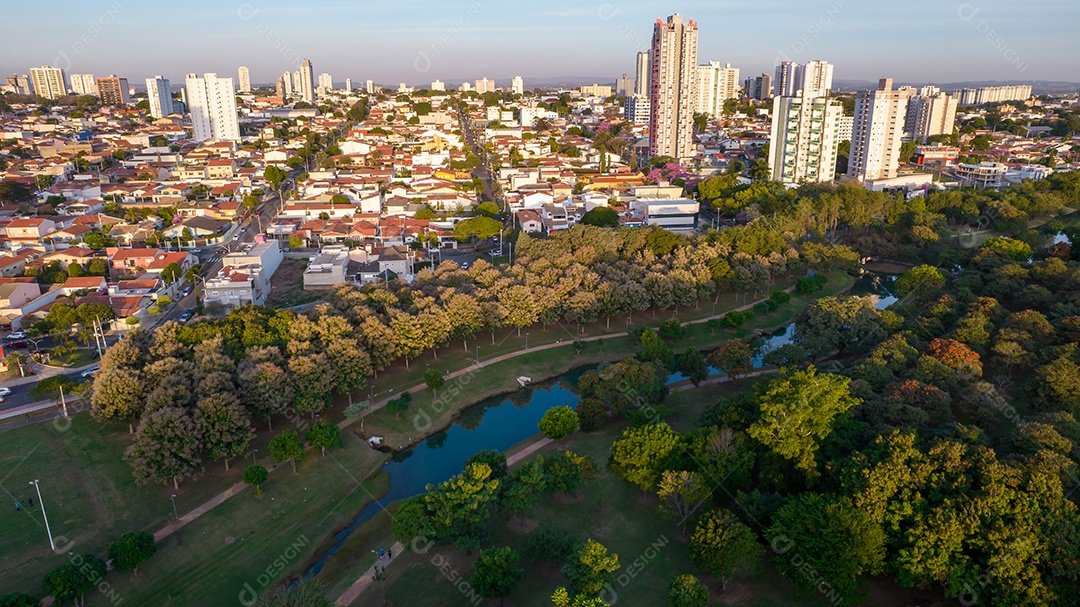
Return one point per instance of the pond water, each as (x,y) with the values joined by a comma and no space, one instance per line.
(502,421)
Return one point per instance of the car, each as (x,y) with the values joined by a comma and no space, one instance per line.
(4,391)
(464,265)
(20,345)
(186,316)
(185,292)
(493,253)
(17,335)
(90,371)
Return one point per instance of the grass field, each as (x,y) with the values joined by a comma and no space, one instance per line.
(77,358)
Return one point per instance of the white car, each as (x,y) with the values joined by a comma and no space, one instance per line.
(17,335)
(4,392)
(90,371)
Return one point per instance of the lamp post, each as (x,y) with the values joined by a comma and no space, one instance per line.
(37,486)
(526,341)
(176,518)
(478,355)
(253,460)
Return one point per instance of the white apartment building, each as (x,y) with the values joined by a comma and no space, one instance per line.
(348,85)
(517,85)
(245,276)
(636,109)
(485,85)
(786,80)
(758,87)
(815,78)
(878,132)
(369,87)
(641,84)
(714,85)
(595,90)
(287,84)
(212,103)
(245,79)
(49,82)
(929,115)
(307,81)
(804,139)
(993,94)
(672,62)
(159,93)
(84,84)
(678,215)
(326,82)
(438,85)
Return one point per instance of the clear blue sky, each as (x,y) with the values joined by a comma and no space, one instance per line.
(416,41)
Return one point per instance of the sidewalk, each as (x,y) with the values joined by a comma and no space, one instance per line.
(365,580)
(44,372)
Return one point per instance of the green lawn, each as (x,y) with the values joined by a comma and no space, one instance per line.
(75,359)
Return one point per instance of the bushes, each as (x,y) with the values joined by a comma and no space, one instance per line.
(546,544)
(781,297)
(810,284)
(736,318)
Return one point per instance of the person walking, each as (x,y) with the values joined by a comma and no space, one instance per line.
(382,553)
(30,501)
(18,507)
(389,553)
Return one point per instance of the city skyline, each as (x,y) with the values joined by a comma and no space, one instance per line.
(922,41)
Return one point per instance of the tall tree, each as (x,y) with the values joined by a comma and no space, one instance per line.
(637,455)
(462,502)
(324,435)
(725,547)
(132,550)
(734,359)
(693,366)
(287,447)
(166,448)
(224,427)
(494,574)
(591,569)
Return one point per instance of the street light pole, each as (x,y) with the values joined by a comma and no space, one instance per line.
(477,355)
(253,460)
(37,486)
(526,342)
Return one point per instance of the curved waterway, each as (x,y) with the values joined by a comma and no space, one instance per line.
(500,422)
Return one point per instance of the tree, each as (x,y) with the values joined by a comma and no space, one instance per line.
(118,395)
(687,591)
(591,569)
(734,359)
(324,435)
(636,456)
(680,493)
(167,447)
(224,427)
(434,379)
(256,475)
(307,592)
(172,273)
(492,458)
(558,422)
(494,574)
(524,486)
(275,176)
(459,504)
(830,324)
(693,366)
(725,547)
(287,446)
(919,281)
(487,209)
(73,579)
(399,405)
(655,350)
(19,599)
(561,598)
(15,193)
(797,411)
(132,550)
(477,228)
(1016,250)
(838,542)
(603,217)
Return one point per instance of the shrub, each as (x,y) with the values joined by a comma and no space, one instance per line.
(546,544)
(781,297)
(132,320)
(164,300)
(761,307)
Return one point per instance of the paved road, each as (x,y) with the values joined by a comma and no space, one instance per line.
(20,393)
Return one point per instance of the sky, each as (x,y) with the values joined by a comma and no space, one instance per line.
(417,41)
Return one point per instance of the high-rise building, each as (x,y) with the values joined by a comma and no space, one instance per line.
(84,84)
(20,85)
(245,79)
(369,87)
(595,90)
(641,82)
(325,81)
(787,79)
(877,132)
(465,87)
(348,85)
(159,94)
(624,87)
(307,81)
(517,85)
(929,115)
(758,87)
(279,88)
(814,78)
(714,85)
(212,102)
(438,85)
(113,90)
(286,81)
(804,138)
(485,85)
(672,61)
(636,109)
(48,81)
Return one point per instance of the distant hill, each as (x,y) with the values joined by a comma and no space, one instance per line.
(1040,87)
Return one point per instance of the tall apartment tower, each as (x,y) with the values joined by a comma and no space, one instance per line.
(786,81)
(671,112)
(814,78)
(245,79)
(307,81)
(113,90)
(326,82)
(517,85)
(929,115)
(714,85)
(485,85)
(49,82)
(279,88)
(877,132)
(160,95)
(84,84)
(641,85)
(369,87)
(804,139)
(287,84)
(758,87)
(212,103)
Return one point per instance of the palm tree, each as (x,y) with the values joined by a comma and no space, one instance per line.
(760,169)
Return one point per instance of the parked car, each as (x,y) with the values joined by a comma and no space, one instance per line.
(186,316)
(90,371)
(4,391)
(17,335)
(21,345)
